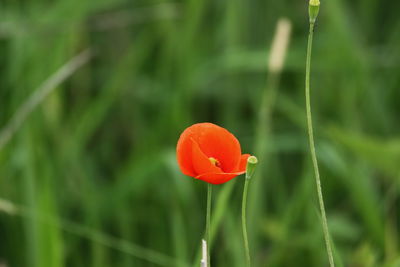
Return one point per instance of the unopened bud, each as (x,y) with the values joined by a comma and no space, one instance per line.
(251,166)
(313,9)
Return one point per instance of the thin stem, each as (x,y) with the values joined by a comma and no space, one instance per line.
(208,223)
(244,227)
(312,149)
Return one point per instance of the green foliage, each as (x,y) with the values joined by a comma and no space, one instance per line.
(92,169)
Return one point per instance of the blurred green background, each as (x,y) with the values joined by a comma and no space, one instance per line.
(88,175)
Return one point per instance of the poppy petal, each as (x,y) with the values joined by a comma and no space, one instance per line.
(201,163)
(184,153)
(218,143)
(243,162)
(218,178)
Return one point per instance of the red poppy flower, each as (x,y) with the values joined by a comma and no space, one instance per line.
(210,153)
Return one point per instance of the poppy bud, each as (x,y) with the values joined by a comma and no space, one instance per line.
(313,10)
(251,166)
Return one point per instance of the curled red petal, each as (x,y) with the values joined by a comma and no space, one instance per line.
(218,143)
(218,178)
(243,163)
(184,153)
(201,163)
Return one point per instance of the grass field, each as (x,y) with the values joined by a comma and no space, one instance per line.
(94,95)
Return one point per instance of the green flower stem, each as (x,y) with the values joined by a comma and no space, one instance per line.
(208,223)
(312,148)
(250,168)
(244,227)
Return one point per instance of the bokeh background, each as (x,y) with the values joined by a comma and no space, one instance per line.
(88,175)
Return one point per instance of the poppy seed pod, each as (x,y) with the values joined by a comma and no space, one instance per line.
(210,153)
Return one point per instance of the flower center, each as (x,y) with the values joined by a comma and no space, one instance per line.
(214,161)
